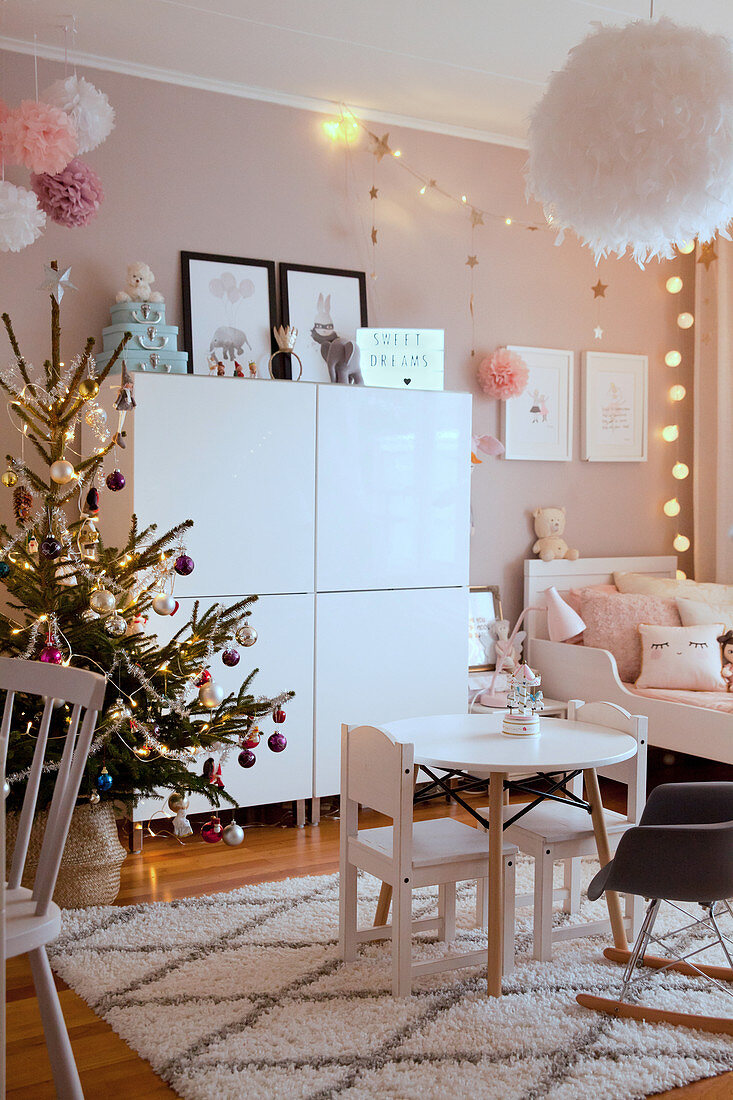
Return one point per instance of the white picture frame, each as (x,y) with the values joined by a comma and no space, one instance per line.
(615,403)
(538,425)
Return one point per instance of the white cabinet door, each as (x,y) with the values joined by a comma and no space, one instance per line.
(238,457)
(393,473)
(284,654)
(382,656)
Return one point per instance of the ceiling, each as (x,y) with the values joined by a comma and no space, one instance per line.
(469,67)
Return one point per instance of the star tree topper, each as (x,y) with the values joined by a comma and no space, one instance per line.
(56,282)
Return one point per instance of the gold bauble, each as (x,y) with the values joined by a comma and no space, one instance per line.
(9,479)
(88,388)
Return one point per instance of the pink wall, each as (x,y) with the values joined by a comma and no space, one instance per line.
(194,170)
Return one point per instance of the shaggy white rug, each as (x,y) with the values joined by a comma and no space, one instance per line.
(243,995)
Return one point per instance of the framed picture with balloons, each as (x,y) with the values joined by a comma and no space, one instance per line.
(228,315)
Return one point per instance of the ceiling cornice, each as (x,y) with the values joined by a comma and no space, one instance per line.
(245,91)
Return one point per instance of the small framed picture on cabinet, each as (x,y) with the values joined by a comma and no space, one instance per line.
(327,306)
(484,608)
(228,315)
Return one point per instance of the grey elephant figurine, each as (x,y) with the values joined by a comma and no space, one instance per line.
(336,352)
(230,340)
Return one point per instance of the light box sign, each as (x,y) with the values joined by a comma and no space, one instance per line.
(402,358)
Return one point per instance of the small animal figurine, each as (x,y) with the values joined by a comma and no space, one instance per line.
(726,642)
(138,287)
(549,524)
(336,353)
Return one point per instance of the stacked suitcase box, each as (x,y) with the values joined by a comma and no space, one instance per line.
(154,344)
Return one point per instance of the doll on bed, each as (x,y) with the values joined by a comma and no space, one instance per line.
(726,643)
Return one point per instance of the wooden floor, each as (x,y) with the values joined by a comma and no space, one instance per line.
(108,1068)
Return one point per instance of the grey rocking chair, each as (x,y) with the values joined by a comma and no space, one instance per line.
(681,851)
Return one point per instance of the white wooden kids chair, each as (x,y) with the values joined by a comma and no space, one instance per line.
(31,918)
(552,831)
(377,771)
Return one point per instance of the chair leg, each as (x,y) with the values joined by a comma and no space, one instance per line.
(402,940)
(347,912)
(510,890)
(571,882)
(543,865)
(447,912)
(63,1066)
(482,903)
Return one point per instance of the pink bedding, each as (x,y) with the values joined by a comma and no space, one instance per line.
(710,700)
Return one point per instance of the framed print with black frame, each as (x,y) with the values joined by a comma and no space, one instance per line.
(228,315)
(326,305)
(484,608)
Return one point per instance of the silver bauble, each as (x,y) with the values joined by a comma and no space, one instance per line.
(178,801)
(246,635)
(211,694)
(233,834)
(88,616)
(62,472)
(163,605)
(102,600)
(116,626)
(94,798)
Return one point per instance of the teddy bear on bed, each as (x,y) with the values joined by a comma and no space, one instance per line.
(726,644)
(139,281)
(549,524)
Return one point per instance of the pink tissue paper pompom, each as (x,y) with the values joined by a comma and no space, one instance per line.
(71,197)
(503,374)
(4,112)
(40,137)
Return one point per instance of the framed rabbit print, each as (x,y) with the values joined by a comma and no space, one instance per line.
(539,423)
(327,306)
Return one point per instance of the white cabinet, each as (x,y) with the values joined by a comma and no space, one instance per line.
(383,656)
(393,472)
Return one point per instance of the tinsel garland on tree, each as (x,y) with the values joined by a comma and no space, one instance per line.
(73,600)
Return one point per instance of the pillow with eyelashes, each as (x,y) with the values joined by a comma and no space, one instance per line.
(681,657)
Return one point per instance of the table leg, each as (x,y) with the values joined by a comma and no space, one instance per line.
(496,883)
(613,901)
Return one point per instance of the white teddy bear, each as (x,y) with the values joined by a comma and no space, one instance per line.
(139,280)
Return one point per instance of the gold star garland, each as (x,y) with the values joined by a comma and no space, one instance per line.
(599,291)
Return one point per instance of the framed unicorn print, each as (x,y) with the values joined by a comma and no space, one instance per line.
(615,407)
(327,306)
(228,314)
(538,425)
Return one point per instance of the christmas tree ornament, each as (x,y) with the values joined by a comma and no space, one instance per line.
(104,780)
(21,219)
(212,831)
(211,695)
(116,626)
(203,678)
(178,801)
(22,503)
(164,604)
(91,502)
(246,759)
(51,547)
(251,738)
(96,418)
(32,544)
(4,569)
(50,654)
(88,616)
(183,565)
(233,834)
(62,472)
(277,741)
(278,715)
(212,773)
(88,388)
(230,657)
(9,479)
(56,282)
(137,625)
(102,600)
(115,481)
(89,110)
(120,711)
(94,798)
(66,573)
(246,635)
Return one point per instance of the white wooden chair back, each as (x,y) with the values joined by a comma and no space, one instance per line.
(85,691)
(631,772)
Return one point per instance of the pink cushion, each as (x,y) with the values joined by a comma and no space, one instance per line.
(572,597)
(612,622)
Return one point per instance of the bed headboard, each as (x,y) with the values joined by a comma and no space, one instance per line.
(540,575)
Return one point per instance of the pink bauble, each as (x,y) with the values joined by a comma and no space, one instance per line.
(51,655)
(72,197)
(277,741)
(40,137)
(503,374)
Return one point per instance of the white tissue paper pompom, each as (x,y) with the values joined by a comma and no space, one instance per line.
(632,143)
(88,108)
(21,220)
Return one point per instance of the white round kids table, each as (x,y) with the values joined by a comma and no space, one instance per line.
(475,744)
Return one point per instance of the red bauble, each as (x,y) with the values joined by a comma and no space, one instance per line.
(212,831)
(51,654)
(204,678)
(252,739)
(278,715)
(277,741)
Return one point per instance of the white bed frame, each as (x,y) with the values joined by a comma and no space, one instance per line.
(577,672)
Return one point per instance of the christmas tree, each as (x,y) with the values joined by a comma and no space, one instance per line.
(71,599)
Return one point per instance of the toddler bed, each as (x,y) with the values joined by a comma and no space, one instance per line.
(696,722)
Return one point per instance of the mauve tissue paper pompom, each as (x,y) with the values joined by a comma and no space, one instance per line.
(71,197)
(503,374)
(40,137)
(21,222)
(88,108)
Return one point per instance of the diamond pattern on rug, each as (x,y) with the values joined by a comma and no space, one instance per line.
(243,994)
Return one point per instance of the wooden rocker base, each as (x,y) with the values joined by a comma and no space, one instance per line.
(656,962)
(718,1024)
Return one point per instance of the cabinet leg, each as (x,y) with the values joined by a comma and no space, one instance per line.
(300,813)
(135,837)
(315,811)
